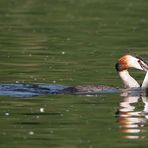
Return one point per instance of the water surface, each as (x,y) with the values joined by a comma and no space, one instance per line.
(70,42)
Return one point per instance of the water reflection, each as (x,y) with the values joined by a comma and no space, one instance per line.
(131,120)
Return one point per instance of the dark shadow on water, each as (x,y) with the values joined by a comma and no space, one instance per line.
(30,90)
(132,122)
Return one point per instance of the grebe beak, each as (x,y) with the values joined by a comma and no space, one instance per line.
(143,65)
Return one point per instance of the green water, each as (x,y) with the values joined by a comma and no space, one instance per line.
(68,42)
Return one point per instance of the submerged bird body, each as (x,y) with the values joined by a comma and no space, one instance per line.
(94,89)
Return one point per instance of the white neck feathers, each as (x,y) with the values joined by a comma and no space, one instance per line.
(145,82)
(128,81)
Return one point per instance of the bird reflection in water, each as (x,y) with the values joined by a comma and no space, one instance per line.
(132,122)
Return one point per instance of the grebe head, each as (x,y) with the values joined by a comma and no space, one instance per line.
(130,61)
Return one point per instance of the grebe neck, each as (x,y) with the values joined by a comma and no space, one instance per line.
(128,81)
(145,82)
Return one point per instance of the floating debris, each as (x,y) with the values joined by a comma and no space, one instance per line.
(63,52)
(41,110)
(7,114)
(54,81)
(31,133)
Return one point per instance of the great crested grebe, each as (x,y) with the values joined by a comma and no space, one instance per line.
(124,63)
(130,61)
